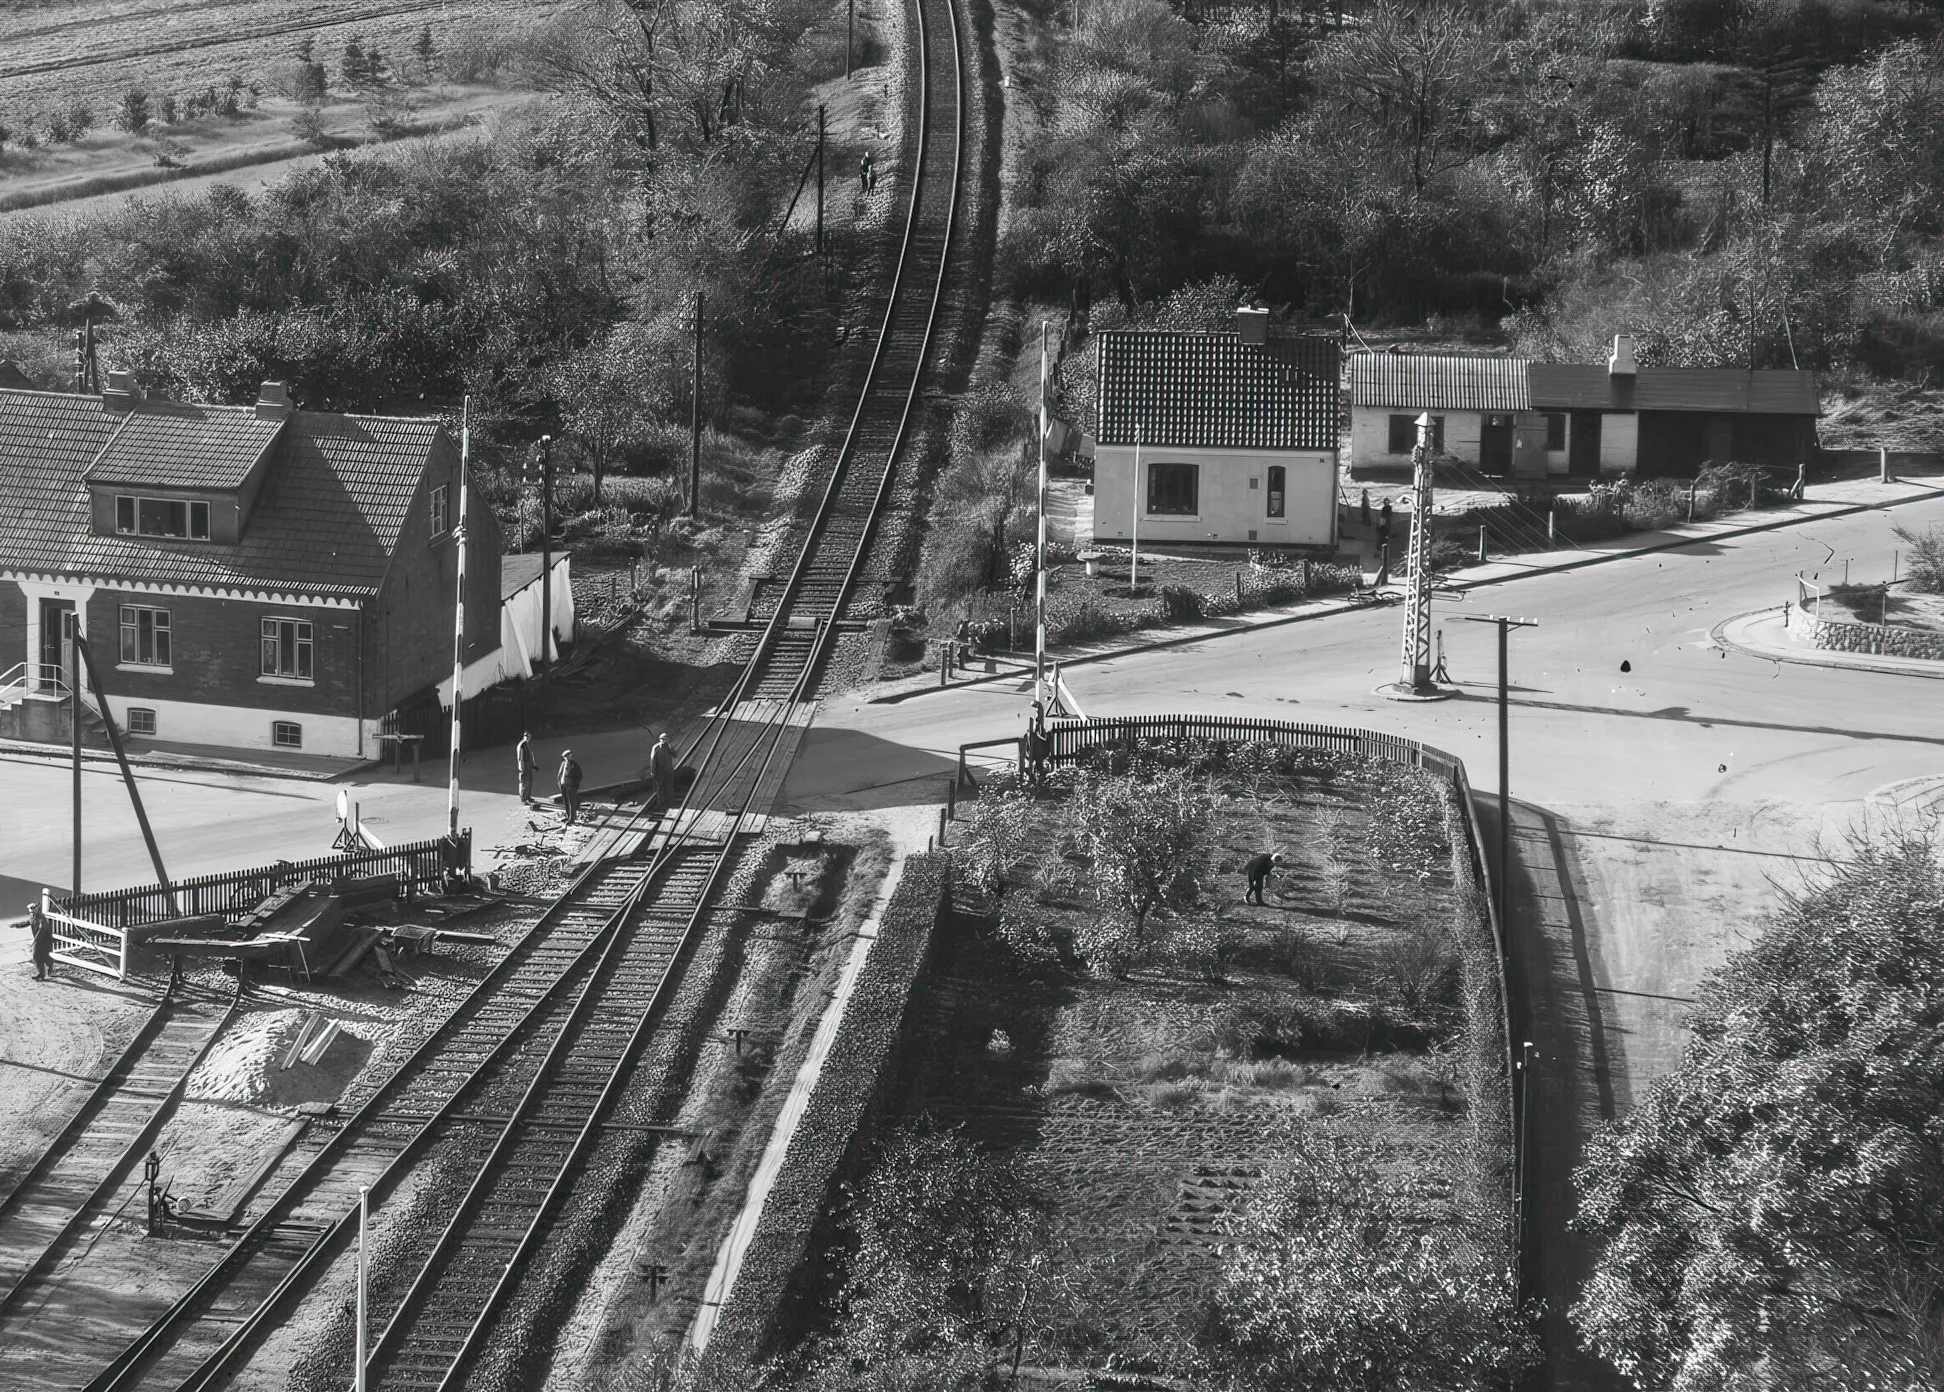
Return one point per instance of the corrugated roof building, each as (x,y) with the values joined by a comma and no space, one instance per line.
(1528,419)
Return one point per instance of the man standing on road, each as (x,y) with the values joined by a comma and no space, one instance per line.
(661,766)
(525,756)
(43,928)
(1258,869)
(570,781)
(1384,524)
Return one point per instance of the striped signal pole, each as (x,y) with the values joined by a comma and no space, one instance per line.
(459,621)
(1039,555)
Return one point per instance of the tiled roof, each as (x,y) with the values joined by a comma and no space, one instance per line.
(186,446)
(333,501)
(1439,382)
(1212,391)
(1718,390)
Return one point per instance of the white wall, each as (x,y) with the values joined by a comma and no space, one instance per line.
(1229,508)
(1619,441)
(1370,434)
(245,727)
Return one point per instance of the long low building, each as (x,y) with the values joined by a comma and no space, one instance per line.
(1512,417)
(1217,439)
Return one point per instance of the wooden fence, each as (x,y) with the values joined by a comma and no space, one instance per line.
(420,865)
(1069,739)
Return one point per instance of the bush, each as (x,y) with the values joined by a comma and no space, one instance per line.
(1086,620)
(132,115)
(1179,604)
(1925,564)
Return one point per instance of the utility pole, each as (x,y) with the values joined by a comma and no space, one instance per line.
(71,630)
(695,398)
(1505,626)
(1039,554)
(850,29)
(121,758)
(459,624)
(547,555)
(1134,537)
(820,207)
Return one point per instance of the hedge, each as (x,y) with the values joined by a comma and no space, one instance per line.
(835,1125)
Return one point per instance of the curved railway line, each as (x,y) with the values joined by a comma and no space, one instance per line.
(67,1192)
(524,1076)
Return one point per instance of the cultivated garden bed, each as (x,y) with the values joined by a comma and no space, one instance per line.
(1146,1126)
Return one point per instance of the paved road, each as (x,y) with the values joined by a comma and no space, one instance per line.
(1663,790)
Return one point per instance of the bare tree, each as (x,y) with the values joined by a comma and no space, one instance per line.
(1413,76)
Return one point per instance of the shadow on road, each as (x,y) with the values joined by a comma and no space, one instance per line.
(846,770)
(1579,1077)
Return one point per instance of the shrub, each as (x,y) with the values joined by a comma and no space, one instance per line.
(132,115)
(1926,559)
(1339,1277)
(1145,838)
(1083,621)
(1181,604)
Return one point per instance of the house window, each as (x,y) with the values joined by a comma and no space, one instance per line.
(440,519)
(161,517)
(1278,484)
(141,720)
(1555,430)
(286,734)
(1172,489)
(287,649)
(145,636)
(1403,434)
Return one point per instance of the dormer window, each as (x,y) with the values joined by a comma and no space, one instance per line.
(161,517)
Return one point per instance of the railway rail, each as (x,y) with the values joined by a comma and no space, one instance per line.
(62,1197)
(541,1050)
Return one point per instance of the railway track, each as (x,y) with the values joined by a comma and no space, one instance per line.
(66,1193)
(532,1064)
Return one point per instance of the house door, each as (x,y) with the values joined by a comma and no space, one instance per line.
(1495,444)
(1583,449)
(56,647)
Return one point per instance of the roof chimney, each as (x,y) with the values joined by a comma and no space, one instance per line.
(122,391)
(1622,363)
(1252,322)
(273,401)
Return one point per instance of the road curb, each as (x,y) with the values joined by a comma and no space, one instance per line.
(1839,662)
(1134,650)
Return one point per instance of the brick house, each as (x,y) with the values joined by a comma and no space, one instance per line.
(1238,437)
(258,577)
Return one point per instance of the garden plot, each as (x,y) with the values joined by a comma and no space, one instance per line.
(1127,1076)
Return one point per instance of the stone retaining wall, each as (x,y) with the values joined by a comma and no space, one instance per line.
(1847,635)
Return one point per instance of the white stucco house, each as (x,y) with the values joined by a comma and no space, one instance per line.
(1237,437)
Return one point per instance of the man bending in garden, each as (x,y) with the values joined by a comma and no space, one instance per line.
(1258,870)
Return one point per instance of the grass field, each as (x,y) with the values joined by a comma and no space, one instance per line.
(90,54)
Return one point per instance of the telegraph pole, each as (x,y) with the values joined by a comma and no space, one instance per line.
(695,397)
(1505,626)
(850,29)
(459,623)
(820,197)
